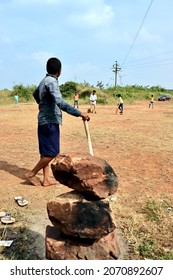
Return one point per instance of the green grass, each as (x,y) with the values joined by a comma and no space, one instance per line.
(152,211)
(149,230)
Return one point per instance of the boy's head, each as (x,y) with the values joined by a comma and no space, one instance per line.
(53,66)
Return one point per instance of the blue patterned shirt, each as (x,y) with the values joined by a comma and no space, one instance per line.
(50,101)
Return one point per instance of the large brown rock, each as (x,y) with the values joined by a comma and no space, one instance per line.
(87,174)
(81,218)
(60,247)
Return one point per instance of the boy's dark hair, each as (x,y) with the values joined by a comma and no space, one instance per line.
(53,65)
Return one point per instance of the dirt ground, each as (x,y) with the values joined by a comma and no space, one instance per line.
(138,145)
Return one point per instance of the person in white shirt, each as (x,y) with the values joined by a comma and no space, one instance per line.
(93,100)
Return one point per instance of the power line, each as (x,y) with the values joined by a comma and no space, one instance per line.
(148,57)
(148,63)
(134,40)
(151,65)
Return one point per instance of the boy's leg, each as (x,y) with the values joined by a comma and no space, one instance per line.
(48,136)
(121,109)
(46,177)
(31,176)
(91,107)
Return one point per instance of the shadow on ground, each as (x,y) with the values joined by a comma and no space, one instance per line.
(13,169)
(25,244)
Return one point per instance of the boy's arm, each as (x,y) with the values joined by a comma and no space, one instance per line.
(62,104)
(36,95)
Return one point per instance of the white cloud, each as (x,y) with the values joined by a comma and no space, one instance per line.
(93,33)
(92,15)
(99,16)
(41,57)
(80,72)
(148,37)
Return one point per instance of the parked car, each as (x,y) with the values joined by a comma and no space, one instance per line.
(164,97)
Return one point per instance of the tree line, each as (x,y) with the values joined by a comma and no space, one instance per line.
(105,95)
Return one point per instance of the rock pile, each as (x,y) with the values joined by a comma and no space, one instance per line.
(83,225)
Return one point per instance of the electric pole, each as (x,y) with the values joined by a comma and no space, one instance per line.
(116,68)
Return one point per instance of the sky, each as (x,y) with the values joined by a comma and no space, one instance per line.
(88,36)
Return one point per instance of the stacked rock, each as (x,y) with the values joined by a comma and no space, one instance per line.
(83,225)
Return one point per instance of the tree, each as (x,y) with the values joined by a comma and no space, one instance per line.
(68,89)
(100,85)
(23,92)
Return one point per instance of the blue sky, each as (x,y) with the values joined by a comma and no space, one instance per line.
(88,36)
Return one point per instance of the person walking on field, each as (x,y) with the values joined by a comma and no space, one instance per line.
(151,104)
(51,105)
(93,100)
(76,100)
(16,99)
(120,104)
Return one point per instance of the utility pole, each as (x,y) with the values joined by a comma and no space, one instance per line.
(116,68)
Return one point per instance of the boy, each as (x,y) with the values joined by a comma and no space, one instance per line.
(120,104)
(151,104)
(51,105)
(16,99)
(93,99)
(76,99)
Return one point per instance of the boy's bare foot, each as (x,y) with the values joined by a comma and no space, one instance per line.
(49,183)
(33,180)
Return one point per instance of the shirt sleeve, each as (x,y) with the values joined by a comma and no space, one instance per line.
(54,90)
(36,95)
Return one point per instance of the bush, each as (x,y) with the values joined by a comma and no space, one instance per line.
(85,94)
(24,92)
(68,89)
(5,96)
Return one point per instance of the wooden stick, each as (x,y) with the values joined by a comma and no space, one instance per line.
(88,137)
(116,110)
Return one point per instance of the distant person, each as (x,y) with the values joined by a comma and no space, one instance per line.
(120,105)
(76,100)
(151,104)
(51,105)
(93,100)
(16,99)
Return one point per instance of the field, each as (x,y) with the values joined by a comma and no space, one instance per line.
(139,147)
